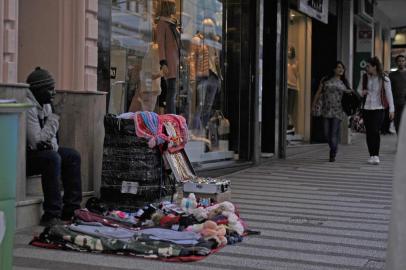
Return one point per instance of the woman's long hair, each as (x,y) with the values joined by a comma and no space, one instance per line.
(332,74)
(374,61)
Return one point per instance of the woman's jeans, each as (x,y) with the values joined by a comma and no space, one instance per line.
(373,121)
(55,166)
(207,88)
(332,133)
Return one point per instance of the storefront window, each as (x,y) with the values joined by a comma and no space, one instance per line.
(167,57)
(296,77)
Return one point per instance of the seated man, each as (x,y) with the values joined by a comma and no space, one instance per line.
(45,157)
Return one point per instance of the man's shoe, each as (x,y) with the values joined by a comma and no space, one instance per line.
(376,160)
(332,156)
(50,221)
(371,160)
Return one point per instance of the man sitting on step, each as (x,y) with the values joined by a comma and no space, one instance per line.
(45,157)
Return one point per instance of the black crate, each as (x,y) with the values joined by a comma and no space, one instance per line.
(128,158)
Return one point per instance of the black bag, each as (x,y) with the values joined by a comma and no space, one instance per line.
(350,102)
(132,173)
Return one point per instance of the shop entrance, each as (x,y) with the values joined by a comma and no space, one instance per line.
(298,77)
(324,57)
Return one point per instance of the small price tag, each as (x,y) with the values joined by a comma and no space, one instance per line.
(129,187)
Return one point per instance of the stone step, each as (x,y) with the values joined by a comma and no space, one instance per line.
(29,211)
(33,186)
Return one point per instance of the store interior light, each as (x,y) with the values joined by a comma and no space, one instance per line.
(292,16)
(400,38)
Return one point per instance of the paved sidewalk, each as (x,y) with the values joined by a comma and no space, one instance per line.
(312,214)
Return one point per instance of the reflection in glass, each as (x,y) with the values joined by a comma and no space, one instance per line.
(156,65)
(201,73)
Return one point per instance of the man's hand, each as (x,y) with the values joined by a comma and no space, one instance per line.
(42,146)
(364,92)
(58,107)
(391,116)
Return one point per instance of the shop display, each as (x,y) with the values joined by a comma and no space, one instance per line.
(171,51)
(169,43)
(293,87)
(150,81)
(205,71)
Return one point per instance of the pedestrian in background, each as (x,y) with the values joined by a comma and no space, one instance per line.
(375,88)
(329,94)
(398,83)
(386,125)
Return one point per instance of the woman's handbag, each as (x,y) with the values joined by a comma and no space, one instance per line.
(223,124)
(350,102)
(318,106)
(357,122)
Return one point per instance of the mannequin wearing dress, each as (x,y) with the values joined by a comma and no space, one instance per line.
(293,85)
(150,75)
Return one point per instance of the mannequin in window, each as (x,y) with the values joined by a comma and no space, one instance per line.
(205,71)
(169,43)
(293,85)
(150,79)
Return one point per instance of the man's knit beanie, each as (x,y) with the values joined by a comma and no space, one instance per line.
(40,78)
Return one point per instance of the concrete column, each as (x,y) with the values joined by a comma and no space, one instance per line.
(281,87)
(345,51)
(8,40)
(387,47)
(396,259)
(91,37)
(378,44)
(68,48)
(258,81)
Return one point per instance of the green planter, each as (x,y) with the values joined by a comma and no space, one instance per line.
(9,136)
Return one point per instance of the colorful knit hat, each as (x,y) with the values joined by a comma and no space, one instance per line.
(148,126)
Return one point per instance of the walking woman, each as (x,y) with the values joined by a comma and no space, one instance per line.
(330,93)
(375,88)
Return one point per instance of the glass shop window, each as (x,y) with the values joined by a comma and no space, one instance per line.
(167,57)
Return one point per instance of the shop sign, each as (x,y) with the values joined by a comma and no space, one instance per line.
(317,9)
(363,51)
(364,39)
